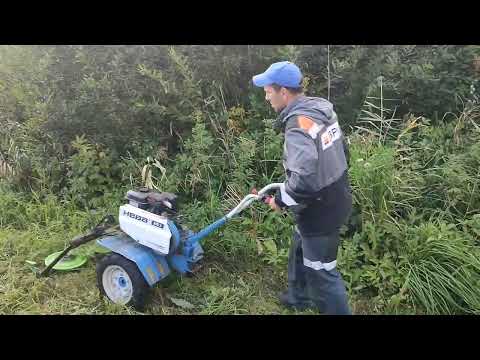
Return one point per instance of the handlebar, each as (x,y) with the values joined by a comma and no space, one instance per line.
(247,200)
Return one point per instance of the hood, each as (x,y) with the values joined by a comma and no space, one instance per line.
(318,109)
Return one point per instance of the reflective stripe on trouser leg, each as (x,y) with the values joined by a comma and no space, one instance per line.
(325,286)
(318,265)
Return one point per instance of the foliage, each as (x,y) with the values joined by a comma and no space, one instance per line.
(81,125)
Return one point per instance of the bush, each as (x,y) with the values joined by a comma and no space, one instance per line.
(81,125)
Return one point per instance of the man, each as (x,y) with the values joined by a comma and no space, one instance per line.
(316,190)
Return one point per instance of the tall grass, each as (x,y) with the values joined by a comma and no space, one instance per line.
(407,178)
(444,271)
(397,256)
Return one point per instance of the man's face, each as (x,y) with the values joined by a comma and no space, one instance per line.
(277,99)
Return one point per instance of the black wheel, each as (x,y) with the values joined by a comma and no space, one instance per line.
(121,282)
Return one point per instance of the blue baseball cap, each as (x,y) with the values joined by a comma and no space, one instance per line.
(282,73)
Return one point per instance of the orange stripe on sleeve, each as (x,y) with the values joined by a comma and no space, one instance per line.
(305,123)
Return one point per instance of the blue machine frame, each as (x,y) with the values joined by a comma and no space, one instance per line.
(185,250)
(154,266)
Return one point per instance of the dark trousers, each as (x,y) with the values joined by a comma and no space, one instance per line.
(312,273)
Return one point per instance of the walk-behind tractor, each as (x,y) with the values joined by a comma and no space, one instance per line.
(146,245)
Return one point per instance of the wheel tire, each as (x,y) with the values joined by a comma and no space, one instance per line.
(112,271)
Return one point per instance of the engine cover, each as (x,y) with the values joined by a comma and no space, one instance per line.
(138,198)
(148,229)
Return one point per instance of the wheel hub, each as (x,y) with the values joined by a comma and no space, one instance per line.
(117,284)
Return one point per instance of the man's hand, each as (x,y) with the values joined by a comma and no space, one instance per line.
(270,200)
(273,205)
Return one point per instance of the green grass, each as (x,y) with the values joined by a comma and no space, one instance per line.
(238,275)
(218,288)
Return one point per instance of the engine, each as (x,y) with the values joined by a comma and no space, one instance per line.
(145,218)
(163,203)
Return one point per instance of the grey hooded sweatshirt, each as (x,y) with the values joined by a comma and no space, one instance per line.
(315,161)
